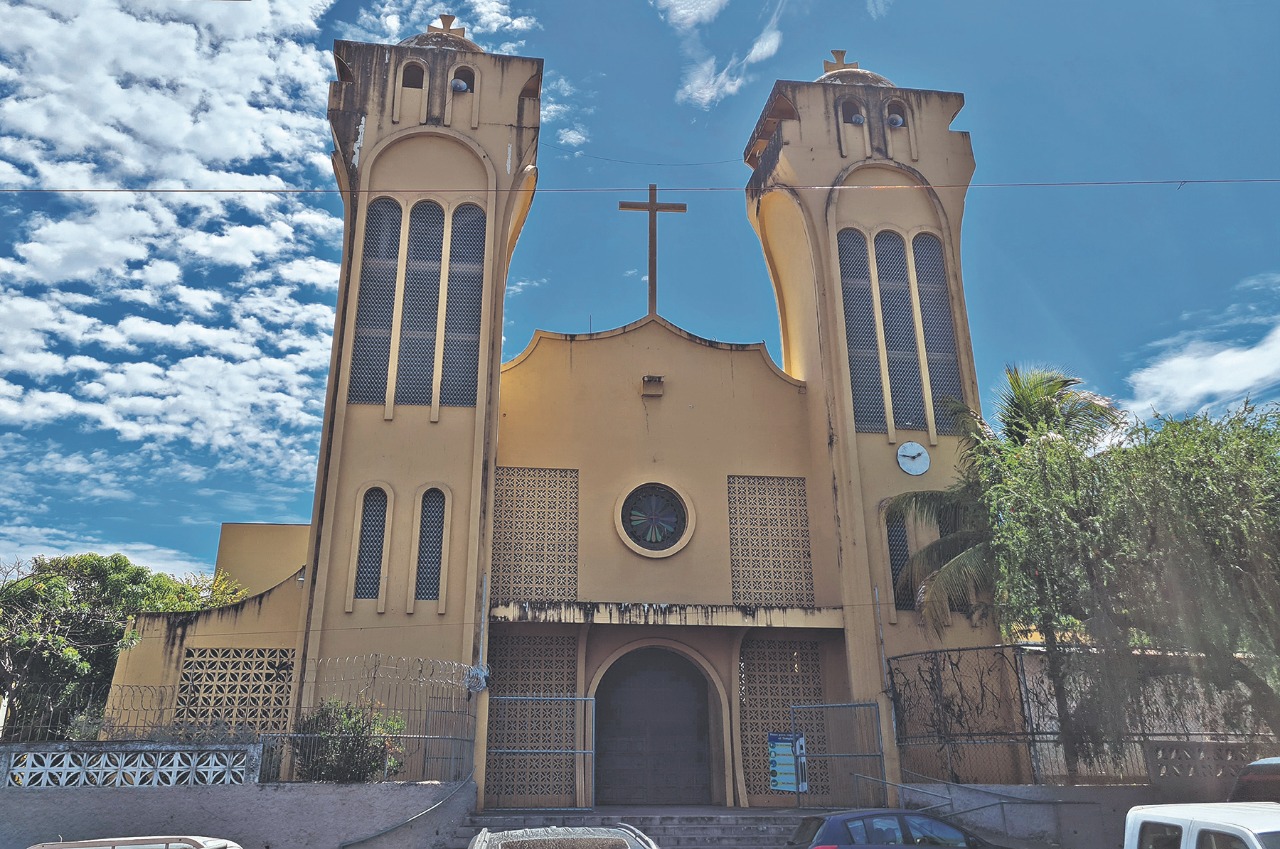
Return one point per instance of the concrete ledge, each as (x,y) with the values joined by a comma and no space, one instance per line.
(261,816)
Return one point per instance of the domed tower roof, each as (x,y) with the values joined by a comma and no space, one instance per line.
(443,37)
(848,73)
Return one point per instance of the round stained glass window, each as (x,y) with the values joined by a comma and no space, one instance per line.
(654,517)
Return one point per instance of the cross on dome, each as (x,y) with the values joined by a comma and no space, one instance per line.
(446,26)
(839,64)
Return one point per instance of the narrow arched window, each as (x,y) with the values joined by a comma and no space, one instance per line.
(373,528)
(904,595)
(430,545)
(860,332)
(464,80)
(421,306)
(939,329)
(899,331)
(375,303)
(851,113)
(896,115)
(462,308)
(412,76)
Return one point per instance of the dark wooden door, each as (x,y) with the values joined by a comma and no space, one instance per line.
(652,741)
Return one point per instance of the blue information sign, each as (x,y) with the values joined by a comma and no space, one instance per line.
(788,772)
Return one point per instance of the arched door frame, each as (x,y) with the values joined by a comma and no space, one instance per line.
(708,671)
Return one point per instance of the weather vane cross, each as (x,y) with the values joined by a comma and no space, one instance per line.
(653,208)
(828,66)
(447,27)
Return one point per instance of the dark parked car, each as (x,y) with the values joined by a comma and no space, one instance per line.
(1258,782)
(881,827)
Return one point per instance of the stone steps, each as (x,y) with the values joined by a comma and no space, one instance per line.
(670,829)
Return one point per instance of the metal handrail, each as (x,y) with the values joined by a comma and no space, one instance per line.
(887,783)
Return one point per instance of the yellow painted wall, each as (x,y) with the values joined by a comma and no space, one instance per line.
(259,556)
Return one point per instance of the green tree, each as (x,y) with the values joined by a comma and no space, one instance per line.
(1033,403)
(1202,567)
(1168,540)
(65,618)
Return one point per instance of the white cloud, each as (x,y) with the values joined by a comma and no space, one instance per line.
(1226,357)
(574,136)
(395,20)
(517,287)
(878,8)
(705,82)
(1202,373)
(686,14)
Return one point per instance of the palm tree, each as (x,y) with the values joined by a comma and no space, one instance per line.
(1035,403)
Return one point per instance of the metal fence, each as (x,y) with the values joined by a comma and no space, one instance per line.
(842,742)
(988,715)
(541,752)
(370,718)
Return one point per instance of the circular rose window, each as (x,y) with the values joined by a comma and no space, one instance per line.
(654,517)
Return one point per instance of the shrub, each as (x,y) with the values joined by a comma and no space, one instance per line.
(347,743)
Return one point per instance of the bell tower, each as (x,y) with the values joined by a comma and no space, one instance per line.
(435,145)
(857,194)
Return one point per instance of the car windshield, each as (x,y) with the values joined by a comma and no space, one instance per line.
(1269,839)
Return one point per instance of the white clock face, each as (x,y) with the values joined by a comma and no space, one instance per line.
(913,458)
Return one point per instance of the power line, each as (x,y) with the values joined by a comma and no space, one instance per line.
(1041,184)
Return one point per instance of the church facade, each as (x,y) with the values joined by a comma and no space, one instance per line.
(678,531)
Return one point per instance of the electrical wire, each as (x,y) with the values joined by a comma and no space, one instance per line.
(1032,184)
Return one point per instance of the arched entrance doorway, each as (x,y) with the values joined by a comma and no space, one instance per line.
(652,732)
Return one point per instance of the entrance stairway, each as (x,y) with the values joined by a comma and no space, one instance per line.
(670,828)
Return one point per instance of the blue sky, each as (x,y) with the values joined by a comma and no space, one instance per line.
(163,354)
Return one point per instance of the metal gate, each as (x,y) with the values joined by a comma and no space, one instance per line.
(838,744)
(541,752)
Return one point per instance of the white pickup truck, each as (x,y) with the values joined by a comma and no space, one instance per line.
(1220,825)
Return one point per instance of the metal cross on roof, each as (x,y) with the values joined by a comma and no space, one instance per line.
(828,66)
(653,208)
(447,27)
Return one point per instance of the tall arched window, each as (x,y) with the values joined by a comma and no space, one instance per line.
(417,356)
(462,308)
(430,545)
(373,528)
(904,595)
(939,328)
(899,331)
(375,304)
(860,332)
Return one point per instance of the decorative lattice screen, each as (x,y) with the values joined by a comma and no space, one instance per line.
(939,329)
(238,688)
(773,675)
(421,302)
(375,305)
(463,300)
(532,666)
(535,535)
(860,333)
(899,331)
(769,541)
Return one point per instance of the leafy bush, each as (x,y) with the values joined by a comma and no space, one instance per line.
(347,743)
